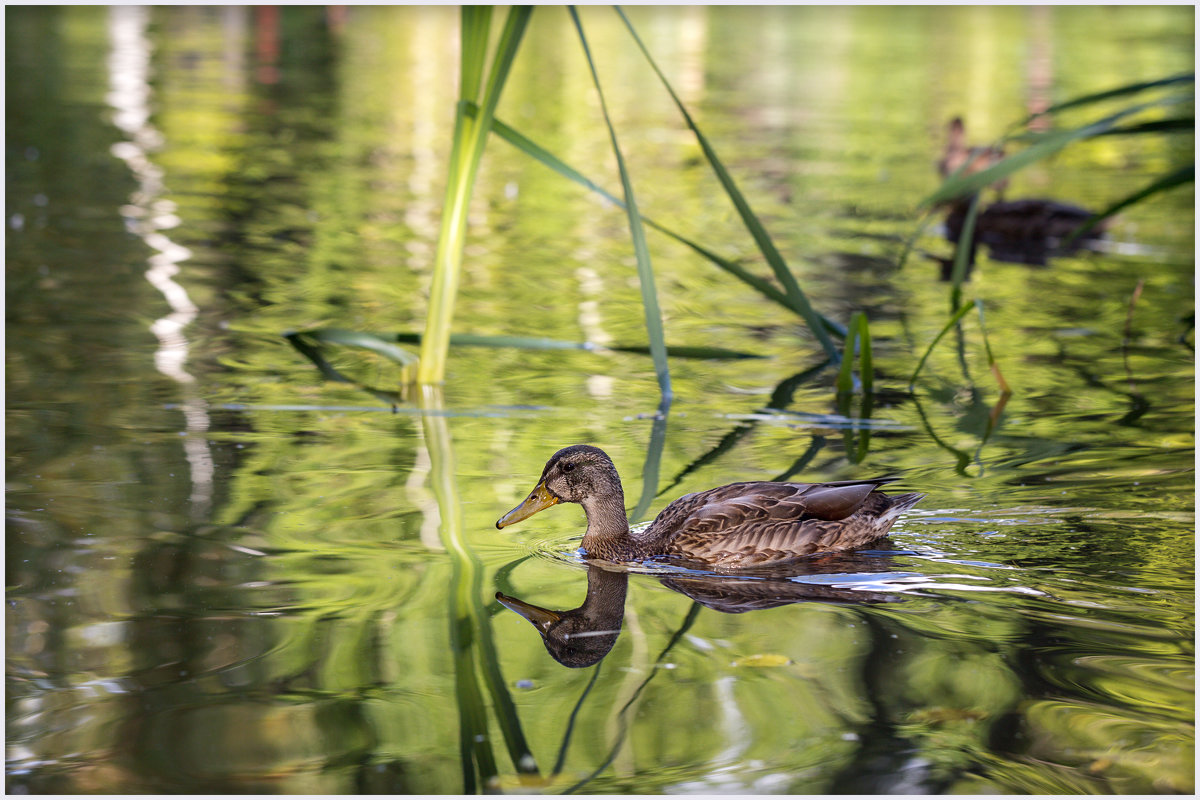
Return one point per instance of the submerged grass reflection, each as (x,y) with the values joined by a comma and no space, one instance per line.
(470,624)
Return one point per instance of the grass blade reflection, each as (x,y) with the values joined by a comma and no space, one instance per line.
(686,625)
(470,624)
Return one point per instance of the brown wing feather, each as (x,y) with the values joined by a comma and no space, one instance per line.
(745,524)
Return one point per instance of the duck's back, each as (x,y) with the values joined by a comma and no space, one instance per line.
(763,523)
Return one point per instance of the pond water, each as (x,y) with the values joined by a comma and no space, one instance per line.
(227,575)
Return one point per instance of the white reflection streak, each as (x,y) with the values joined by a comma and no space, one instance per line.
(146,215)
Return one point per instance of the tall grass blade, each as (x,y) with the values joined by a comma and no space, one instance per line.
(858,340)
(476,24)
(765,245)
(1170,181)
(1172,125)
(1045,145)
(654,325)
(366,341)
(964,253)
(1109,94)
(539,153)
(845,379)
(866,361)
(470,136)
(310,348)
(993,365)
(542,343)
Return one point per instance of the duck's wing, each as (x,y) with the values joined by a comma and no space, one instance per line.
(743,524)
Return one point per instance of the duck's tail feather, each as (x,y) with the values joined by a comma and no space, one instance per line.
(901,503)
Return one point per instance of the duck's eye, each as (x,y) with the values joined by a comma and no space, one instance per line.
(568,466)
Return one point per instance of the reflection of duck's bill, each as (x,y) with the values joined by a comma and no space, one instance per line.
(542,618)
(539,499)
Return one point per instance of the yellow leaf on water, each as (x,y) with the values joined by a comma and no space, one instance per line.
(763,660)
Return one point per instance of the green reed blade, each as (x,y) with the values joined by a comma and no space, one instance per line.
(866,362)
(962,459)
(654,324)
(312,351)
(1186,174)
(313,354)
(1120,91)
(538,153)
(1044,145)
(858,340)
(367,341)
(470,136)
(542,343)
(1171,125)
(845,378)
(911,241)
(476,24)
(964,252)
(753,224)
(954,320)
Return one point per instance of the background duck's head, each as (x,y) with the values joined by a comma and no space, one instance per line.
(577,474)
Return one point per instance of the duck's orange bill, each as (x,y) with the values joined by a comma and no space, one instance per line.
(543,618)
(540,498)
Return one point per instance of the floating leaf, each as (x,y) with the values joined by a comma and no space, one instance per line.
(762,660)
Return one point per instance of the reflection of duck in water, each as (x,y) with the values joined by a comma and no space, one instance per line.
(731,527)
(582,636)
(1018,231)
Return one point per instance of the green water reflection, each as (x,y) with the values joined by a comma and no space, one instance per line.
(224,575)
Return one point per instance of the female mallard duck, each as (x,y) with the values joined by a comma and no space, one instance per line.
(750,524)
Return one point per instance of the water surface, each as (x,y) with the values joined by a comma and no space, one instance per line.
(225,575)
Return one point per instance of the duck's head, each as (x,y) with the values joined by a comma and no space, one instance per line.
(577,474)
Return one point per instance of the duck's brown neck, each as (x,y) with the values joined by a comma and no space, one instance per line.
(607,526)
